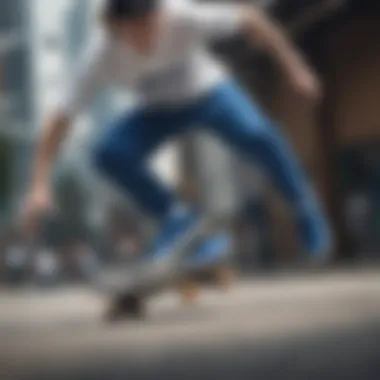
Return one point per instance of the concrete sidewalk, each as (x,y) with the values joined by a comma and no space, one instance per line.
(302,327)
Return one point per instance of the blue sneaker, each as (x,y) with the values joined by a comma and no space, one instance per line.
(163,261)
(210,252)
(315,233)
(180,227)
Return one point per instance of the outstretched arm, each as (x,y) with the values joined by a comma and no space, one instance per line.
(76,98)
(80,90)
(38,201)
(266,34)
(215,21)
(54,131)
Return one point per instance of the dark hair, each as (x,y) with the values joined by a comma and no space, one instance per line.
(128,9)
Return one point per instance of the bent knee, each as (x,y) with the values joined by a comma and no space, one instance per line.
(107,156)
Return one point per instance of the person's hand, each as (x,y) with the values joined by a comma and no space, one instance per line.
(37,204)
(307,84)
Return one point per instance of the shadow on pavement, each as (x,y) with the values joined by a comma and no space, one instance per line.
(353,354)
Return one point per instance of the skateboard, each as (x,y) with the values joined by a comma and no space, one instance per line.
(129,301)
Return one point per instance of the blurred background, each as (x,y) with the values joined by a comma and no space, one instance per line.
(338,142)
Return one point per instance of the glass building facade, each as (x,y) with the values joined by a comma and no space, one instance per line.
(16,105)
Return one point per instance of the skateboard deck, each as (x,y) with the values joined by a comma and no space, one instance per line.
(131,303)
(130,294)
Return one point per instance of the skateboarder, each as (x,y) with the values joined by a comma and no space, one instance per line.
(158,49)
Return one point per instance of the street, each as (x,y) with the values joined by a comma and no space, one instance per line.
(320,326)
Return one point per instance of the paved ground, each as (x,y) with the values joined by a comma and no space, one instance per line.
(318,327)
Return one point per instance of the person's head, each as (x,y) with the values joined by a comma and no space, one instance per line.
(133,22)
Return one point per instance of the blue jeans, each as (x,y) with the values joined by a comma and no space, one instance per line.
(226,112)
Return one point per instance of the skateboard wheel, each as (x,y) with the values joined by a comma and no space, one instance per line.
(189,291)
(223,278)
(125,307)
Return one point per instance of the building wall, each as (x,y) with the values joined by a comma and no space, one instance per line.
(48,54)
(354,60)
(16,105)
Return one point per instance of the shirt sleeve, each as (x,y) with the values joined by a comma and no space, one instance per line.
(88,77)
(215,21)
